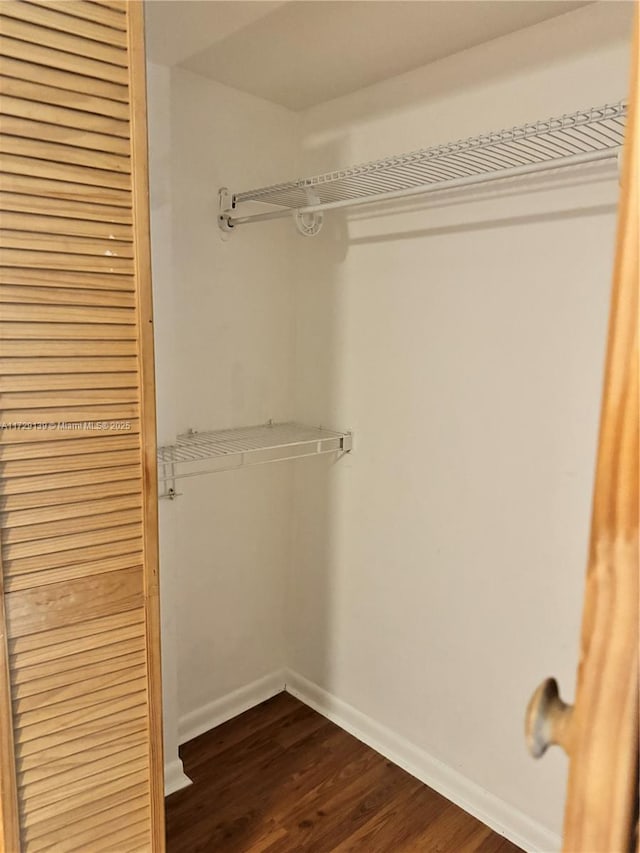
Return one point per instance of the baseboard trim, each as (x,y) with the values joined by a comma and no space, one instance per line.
(175,779)
(491,810)
(209,716)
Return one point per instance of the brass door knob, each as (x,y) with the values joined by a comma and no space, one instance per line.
(548,720)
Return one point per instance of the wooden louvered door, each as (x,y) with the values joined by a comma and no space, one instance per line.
(80,713)
(600,731)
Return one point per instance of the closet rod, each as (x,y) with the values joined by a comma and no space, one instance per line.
(518,171)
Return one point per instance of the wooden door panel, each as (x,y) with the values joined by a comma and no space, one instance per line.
(602,797)
(600,731)
(79,657)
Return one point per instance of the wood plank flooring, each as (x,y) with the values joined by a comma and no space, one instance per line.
(280,778)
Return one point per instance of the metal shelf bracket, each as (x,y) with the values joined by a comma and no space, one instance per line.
(167,476)
(226,207)
(309,224)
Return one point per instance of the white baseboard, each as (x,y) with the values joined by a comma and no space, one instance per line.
(202,719)
(175,779)
(491,810)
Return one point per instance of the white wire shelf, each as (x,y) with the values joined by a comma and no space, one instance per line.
(583,137)
(196,453)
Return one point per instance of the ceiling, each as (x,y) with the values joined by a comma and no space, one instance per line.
(299,53)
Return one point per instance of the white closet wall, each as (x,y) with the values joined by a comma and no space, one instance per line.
(418,587)
(437,572)
(224,342)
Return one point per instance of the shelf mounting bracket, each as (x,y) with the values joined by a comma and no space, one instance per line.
(226,206)
(169,479)
(309,224)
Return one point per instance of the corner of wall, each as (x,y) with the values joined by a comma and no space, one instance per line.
(500,816)
(227,707)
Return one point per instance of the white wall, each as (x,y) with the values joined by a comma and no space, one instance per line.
(437,573)
(224,351)
(233,304)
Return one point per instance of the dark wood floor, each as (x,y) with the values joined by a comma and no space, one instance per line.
(282,779)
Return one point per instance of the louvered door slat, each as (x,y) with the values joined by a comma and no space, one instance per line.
(80,713)
(98,366)
(17,182)
(68,81)
(69,526)
(49,399)
(67,154)
(61,171)
(113,768)
(89,11)
(65,279)
(62,296)
(60,41)
(40,823)
(80,138)
(36,727)
(79,751)
(33,102)
(82,102)
(59,20)
(61,353)
(36,215)
(104,262)
(86,826)
(51,530)
(109,248)
(72,543)
(131,832)
(48,57)
(129,553)
(51,700)
(120,540)
(106,658)
(68,381)
(69,447)
(35,313)
(52,775)
(105,625)
(78,739)
(43,332)
(118,5)
(46,399)
(48,498)
(66,226)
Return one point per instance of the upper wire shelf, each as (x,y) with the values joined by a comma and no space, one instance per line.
(585,136)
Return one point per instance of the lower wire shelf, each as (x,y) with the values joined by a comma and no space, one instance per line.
(197,453)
